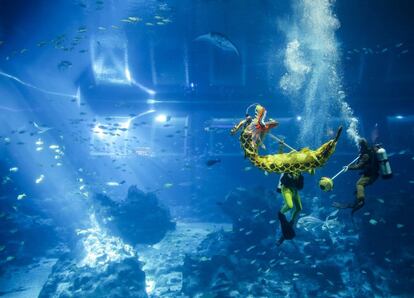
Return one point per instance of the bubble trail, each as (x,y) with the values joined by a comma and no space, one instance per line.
(313,79)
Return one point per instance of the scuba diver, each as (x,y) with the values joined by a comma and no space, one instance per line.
(372,162)
(289,186)
(256,126)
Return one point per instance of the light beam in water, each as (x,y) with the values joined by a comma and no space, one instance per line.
(35,87)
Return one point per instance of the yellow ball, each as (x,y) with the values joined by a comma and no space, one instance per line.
(326,184)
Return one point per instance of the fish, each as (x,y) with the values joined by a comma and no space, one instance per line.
(251,248)
(373,221)
(132,20)
(212,162)
(168,185)
(21,196)
(82,29)
(400,226)
(218,40)
(64,65)
(112,183)
(41,129)
(40,179)
(14,169)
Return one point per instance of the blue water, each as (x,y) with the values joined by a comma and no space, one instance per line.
(118,173)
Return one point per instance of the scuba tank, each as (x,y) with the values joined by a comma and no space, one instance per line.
(383,163)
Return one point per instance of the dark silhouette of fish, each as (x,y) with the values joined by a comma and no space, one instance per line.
(219,40)
(212,162)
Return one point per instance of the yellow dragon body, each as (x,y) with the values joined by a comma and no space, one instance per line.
(294,162)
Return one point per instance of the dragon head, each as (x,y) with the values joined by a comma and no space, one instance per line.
(260,114)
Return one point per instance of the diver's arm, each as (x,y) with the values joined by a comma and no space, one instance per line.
(237,127)
(362,161)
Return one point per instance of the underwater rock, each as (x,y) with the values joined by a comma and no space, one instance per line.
(224,260)
(119,279)
(101,265)
(139,219)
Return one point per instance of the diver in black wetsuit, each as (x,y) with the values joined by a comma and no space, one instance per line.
(368,163)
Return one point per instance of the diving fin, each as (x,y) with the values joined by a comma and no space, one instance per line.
(358,205)
(287,229)
(280,241)
(355,206)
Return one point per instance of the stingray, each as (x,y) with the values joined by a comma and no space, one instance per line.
(218,40)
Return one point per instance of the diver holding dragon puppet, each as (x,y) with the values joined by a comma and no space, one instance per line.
(291,165)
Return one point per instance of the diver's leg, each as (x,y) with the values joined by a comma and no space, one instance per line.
(287,230)
(287,195)
(360,191)
(298,208)
(360,187)
(360,195)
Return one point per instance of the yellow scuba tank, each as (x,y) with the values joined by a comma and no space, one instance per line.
(383,163)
